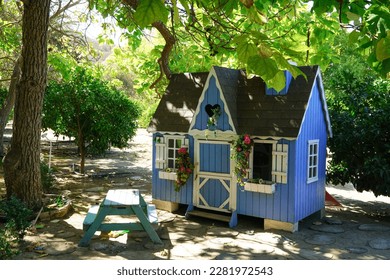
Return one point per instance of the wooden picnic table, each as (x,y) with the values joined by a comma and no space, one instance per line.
(122,202)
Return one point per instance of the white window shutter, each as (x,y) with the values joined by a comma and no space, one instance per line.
(186,142)
(279,163)
(160,153)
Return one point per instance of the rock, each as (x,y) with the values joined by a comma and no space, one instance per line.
(270,238)
(176,236)
(65,234)
(99,246)
(222,240)
(314,255)
(95,189)
(165,217)
(187,250)
(60,248)
(328,228)
(186,224)
(357,250)
(380,243)
(320,239)
(137,255)
(226,256)
(222,231)
(333,221)
(374,227)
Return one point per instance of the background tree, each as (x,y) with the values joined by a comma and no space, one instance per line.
(359,107)
(87,108)
(64,42)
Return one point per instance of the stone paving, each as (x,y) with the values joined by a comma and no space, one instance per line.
(331,237)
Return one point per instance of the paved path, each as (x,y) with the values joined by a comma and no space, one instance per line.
(342,234)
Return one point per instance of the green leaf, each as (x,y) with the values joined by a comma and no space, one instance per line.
(245,50)
(383,49)
(352,16)
(353,37)
(176,17)
(149,11)
(283,64)
(266,68)
(257,17)
(278,82)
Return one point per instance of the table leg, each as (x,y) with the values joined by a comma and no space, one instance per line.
(146,224)
(103,212)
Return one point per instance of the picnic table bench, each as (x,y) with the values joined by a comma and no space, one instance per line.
(123,202)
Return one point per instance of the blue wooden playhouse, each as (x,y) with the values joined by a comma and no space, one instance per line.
(286,181)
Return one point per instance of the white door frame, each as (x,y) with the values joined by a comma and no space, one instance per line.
(201,177)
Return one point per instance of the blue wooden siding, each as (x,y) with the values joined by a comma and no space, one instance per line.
(214,158)
(212,97)
(310,198)
(276,206)
(163,189)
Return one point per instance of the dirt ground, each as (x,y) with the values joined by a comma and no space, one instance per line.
(360,229)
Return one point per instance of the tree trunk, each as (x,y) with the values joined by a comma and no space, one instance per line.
(9,102)
(22,162)
(83,152)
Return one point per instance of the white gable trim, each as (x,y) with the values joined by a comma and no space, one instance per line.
(201,99)
(324,105)
(318,80)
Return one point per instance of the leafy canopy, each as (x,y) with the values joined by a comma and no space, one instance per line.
(260,35)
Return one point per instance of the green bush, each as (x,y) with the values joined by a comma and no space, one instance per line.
(18,218)
(359,108)
(47,178)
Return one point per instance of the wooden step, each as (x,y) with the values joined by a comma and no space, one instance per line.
(223,217)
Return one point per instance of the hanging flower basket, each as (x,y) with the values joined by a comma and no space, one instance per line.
(241,149)
(184,168)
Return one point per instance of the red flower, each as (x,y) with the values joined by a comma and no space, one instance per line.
(247,139)
(182,150)
(239,149)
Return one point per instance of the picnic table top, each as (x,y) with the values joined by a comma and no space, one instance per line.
(122,197)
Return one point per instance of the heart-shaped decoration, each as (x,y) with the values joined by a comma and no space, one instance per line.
(210,109)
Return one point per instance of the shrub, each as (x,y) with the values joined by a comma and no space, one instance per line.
(17,217)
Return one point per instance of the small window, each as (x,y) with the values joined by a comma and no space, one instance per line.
(262,161)
(312,161)
(269,161)
(174,144)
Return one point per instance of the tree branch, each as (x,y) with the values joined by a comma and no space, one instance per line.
(170,41)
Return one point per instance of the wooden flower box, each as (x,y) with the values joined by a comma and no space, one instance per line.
(268,188)
(167,175)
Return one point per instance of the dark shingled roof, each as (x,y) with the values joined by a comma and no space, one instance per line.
(251,110)
(178,105)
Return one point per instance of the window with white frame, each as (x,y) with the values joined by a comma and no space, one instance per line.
(312,161)
(174,144)
(167,149)
(269,161)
